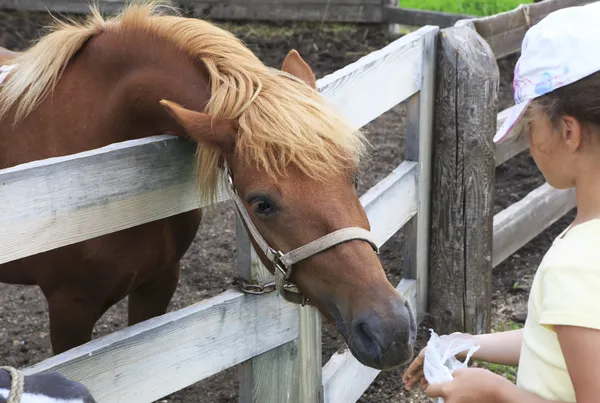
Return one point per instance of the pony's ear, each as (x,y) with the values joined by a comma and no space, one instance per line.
(203,128)
(296,66)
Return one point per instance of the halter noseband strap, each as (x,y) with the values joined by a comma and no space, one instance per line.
(283,262)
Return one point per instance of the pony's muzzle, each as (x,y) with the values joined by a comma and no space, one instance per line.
(384,341)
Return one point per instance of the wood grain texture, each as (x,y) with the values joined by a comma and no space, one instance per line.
(310,365)
(60,201)
(344,378)
(505,31)
(144,362)
(380,80)
(419,133)
(420,150)
(505,151)
(417,18)
(298,11)
(519,223)
(463,183)
(411,153)
(392,202)
(294,2)
(64,6)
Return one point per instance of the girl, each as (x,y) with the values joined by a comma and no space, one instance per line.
(557,96)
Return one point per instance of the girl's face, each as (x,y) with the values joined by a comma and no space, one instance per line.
(554,148)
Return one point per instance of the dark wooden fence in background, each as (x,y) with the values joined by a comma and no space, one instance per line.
(356,11)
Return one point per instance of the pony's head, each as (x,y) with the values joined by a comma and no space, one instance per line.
(293,163)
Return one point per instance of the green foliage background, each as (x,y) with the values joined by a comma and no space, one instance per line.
(469,7)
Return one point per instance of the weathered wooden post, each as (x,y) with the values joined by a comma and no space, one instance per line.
(393,28)
(463,183)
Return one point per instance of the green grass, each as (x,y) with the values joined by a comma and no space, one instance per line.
(469,7)
(507,371)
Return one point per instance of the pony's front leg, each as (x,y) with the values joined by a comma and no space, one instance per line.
(72,319)
(152,298)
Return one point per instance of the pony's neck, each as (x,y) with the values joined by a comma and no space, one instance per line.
(148,73)
(109,93)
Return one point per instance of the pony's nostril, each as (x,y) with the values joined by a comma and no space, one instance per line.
(366,333)
(412,323)
(367,337)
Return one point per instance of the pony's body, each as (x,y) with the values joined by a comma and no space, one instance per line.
(83,280)
(286,149)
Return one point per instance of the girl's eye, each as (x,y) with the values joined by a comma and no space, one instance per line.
(264,208)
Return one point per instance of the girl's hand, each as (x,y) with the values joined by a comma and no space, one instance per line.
(414,372)
(471,385)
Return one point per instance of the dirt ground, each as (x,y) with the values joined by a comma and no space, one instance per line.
(208,267)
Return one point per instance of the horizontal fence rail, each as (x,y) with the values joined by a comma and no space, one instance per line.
(149,360)
(417,18)
(519,223)
(505,151)
(65,6)
(60,201)
(193,343)
(505,31)
(358,11)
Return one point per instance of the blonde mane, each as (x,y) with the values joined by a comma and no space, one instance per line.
(282,120)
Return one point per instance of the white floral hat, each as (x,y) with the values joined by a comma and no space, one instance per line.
(559,50)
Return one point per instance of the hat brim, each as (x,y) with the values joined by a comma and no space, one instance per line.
(512,125)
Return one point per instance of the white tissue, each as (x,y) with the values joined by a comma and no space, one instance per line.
(440,362)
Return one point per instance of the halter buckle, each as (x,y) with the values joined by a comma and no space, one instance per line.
(278,264)
(229,175)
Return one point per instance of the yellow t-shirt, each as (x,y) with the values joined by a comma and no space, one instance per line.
(565,291)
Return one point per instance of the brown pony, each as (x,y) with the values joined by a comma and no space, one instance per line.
(292,159)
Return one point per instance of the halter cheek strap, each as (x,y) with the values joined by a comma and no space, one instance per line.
(283,262)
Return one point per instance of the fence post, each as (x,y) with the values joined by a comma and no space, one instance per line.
(463,183)
(290,373)
(393,29)
(419,133)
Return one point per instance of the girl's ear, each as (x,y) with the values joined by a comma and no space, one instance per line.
(572,132)
(203,128)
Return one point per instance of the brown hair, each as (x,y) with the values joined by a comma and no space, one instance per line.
(580,99)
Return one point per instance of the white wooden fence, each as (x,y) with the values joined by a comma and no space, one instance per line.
(60,201)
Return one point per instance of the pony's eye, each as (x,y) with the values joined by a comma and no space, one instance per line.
(264,207)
